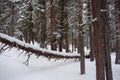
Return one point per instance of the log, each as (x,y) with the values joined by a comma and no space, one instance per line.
(13,42)
(38,52)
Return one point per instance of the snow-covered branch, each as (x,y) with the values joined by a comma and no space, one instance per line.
(90,22)
(34,49)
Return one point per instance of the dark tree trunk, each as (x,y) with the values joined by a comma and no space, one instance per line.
(91,43)
(52,25)
(92,48)
(30,25)
(81,51)
(43,32)
(11,28)
(100,75)
(106,47)
(66,31)
(61,3)
(101,30)
(117,60)
(80,41)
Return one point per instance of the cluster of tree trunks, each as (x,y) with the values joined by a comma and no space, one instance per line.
(101,42)
(99,34)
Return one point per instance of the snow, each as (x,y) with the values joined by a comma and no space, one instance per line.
(12,68)
(95,19)
(103,10)
(14,0)
(42,10)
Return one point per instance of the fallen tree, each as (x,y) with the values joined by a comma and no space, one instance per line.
(34,49)
(13,42)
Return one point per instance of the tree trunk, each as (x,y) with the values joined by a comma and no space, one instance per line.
(11,28)
(106,47)
(80,40)
(52,25)
(43,32)
(81,51)
(91,31)
(101,30)
(61,3)
(100,75)
(117,60)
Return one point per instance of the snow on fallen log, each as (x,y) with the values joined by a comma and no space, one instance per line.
(11,41)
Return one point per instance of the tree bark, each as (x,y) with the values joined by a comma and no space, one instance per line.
(43,32)
(52,25)
(80,40)
(91,31)
(106,47)
(101,31)
(100,75)
(117,60)
(61,3)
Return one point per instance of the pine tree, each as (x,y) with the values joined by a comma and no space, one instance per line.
(25,21)
(7,17)
(81,39)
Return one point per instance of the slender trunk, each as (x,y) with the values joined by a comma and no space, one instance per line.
(43,32)
(61,24)
(81,51)
(91,31)
(80,41)
(11,28)
(52,25)
(66,32)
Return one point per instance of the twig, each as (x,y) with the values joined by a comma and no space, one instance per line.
(27,61)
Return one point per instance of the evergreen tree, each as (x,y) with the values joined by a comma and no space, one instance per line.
(7,17)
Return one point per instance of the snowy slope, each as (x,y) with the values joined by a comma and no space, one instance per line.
(12,68)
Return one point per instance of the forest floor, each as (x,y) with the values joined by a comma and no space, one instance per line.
(12,68)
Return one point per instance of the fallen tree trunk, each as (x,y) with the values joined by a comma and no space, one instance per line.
(7,40)
(35,50)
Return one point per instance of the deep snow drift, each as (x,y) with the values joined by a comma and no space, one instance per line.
(12,68)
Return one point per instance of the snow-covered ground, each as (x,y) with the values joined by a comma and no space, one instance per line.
(12,68)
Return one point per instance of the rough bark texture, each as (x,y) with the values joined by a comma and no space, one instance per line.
(100,75)
(105,34)
(92,48)
(35,51)
(81,51)
(81,42)
(117,60)
(101,30)
(61,3)
(11,29)
(52,24)
(43,32)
